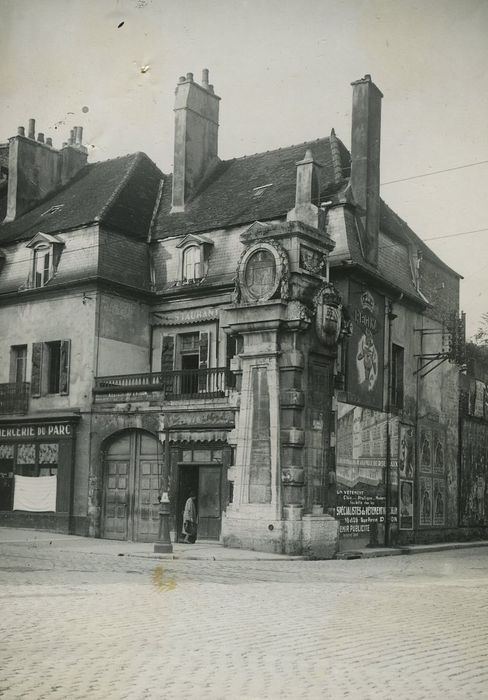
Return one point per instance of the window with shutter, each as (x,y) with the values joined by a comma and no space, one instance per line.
(50,367)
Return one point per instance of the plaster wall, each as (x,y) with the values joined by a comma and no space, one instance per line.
(78,260)
(123,342)
(54,318)
(223,256)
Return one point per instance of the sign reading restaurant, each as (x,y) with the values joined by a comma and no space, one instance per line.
(39,430)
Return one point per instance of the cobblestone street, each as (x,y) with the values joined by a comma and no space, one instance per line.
(78,625)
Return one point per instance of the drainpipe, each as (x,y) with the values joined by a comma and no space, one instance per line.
(391,318)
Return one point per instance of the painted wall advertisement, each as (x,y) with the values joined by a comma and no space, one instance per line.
(360,471)
(365,361)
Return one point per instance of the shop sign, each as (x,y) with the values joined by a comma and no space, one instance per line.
(366,347)
(38,430)
(200,418)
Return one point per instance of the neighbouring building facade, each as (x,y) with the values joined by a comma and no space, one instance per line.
(258,330)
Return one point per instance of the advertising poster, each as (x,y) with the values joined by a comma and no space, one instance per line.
(425,452)
(360,471)
(365,361)
(439,502)
(474,474)
(406,457)
(438,466)
(425,501)
(406,505)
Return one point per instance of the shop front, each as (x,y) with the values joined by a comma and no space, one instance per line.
(36,472)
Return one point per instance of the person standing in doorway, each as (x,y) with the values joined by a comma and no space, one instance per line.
(190,519)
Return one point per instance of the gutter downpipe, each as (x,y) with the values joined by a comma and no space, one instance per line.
(391,318)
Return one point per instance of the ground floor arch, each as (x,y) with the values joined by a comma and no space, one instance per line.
(132,468)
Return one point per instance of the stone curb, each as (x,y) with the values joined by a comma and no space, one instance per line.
(196,557)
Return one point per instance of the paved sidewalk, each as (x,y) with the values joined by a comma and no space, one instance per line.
(373,552)
(204,550)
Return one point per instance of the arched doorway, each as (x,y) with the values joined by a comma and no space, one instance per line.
(131,483)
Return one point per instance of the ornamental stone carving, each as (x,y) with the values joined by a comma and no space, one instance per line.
(328,314)
(262,273)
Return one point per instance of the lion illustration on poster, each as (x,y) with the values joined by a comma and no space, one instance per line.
(367,361)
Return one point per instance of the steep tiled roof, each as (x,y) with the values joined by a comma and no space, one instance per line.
(391,223)
(228,197)
(119,193)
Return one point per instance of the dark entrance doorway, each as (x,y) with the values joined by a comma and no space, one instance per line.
(205,482)
(131,483)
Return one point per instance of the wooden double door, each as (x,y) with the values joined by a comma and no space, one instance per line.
(131,484)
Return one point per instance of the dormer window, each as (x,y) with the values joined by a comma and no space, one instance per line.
(194,256)
(46,251)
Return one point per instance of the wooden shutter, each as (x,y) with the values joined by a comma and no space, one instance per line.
(36,375)
(203,351)
(64,366)
(203,348)
(167,362)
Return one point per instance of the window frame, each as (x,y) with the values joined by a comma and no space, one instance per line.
(195,263)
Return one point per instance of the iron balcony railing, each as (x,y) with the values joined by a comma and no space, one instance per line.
(184,383)
(14,397)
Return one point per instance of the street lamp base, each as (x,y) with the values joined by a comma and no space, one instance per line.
(163,548)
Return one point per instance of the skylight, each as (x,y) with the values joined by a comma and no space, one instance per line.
(259,191)
(52,210)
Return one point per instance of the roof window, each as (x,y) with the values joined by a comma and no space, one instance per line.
(259,191)
(52,210)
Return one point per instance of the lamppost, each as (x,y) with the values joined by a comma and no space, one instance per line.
(164,545)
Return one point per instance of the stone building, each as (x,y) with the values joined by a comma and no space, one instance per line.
(250,329)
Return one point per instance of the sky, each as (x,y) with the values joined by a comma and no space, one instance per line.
(283,69)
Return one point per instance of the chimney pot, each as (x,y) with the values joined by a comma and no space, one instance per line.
(40,137)
(32,129)
(181,79)
(205,77)
(49,141)
(71,139)
(78,135)
(189,76)
(210,88)
(65,143)
(20,131)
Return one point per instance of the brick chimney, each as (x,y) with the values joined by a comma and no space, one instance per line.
(35,169)
(196,137)
(365,161)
